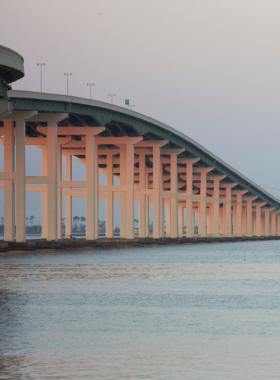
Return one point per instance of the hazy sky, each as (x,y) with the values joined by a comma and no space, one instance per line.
(209,68)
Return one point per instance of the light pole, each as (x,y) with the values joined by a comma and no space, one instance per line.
(41,64)
(111,97)
(90,84)
(272,188)
(67,74)
(130,106)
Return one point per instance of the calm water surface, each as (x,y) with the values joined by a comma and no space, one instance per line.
(169,312)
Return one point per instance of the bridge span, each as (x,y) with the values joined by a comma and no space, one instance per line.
(154,163)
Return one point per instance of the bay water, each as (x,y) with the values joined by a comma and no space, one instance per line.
(204,311)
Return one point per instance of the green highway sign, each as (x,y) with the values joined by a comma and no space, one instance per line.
(126,102)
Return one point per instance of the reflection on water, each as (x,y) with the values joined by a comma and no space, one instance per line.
(172,312)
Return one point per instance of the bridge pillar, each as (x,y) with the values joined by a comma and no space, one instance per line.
(244,222)
(91,183)
(181,219)
(68,197)
(9,187)
(216,203)
(129,190)
(109,196)
(147,215)
(258,206)
(52,180)
(238,219)
(273,224)
(142,202)
(20,181)
(174,197)
(168,218)
(267,215)
(227,205)
(278,225)
(221,212)
(44,198)
(210,219)
(59,191)
(202,201)
(249,220)
(123,194)
(189,196)
(156,191)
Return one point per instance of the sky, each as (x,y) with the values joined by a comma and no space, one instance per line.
(209,68)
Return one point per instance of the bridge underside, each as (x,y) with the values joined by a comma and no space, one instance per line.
(154,164)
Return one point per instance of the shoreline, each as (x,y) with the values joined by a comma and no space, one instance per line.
(119,242)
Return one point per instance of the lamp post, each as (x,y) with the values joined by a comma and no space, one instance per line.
(90,84)
(130,106)
(67,74)
(111,97)
(41,65)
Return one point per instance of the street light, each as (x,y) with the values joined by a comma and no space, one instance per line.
(130,106)
(41,64)
(111,97)
(67,74)
(90,84)
(272,188)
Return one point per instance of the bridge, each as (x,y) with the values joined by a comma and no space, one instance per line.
(154,163)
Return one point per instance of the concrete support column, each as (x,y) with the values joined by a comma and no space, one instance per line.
(44,172)
(189,202)
(142,202)
(210,218)
(249,221)
(59,192)
(123,194)
(273,224)
(228,221)
(91,184)
(156,191)
(234,217)
(237,224)
(68,197)
(9,187)
(202,207)
(267,215)
(52,180)
(222,225)
(173,207)
(20,180)
(130,191)
(181,219)
(216,204)
(168,218)
(278,225)
(244,221)
(109,197)
(147,216)
(258,206)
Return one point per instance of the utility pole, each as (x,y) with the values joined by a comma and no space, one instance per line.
(111,97)
(67,74)
(41,65)
(90,84)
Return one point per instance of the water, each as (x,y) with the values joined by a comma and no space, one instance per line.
(168,312)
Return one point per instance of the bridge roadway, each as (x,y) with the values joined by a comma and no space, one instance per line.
(154,163)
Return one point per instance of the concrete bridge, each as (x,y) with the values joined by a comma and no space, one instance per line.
(154,163)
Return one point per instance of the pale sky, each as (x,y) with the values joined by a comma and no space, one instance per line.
(209,68)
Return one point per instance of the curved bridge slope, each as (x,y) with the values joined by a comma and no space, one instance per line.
(123,122)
